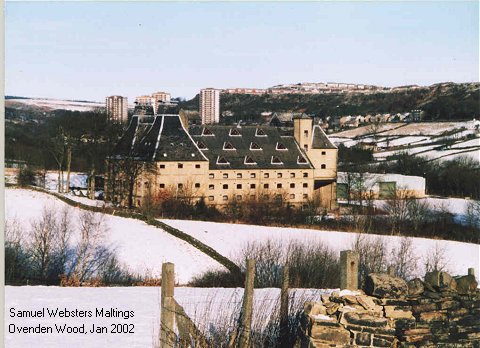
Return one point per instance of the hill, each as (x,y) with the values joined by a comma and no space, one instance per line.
(443,101)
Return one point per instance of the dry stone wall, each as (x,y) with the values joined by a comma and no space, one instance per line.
(439,311)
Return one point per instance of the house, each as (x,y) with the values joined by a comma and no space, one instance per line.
(284,119)
(381,186)
(222,164)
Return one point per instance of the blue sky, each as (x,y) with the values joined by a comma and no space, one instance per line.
(76,50)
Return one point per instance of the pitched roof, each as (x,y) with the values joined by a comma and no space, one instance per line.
(242,156)
(320,139)
(163,140)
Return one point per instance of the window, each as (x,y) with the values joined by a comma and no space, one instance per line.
(197,166)
(239,175)
(252,186)
(147,184)
(305,147)
(180,165)
(279,175)
(211,176)
(210,198)
(249,160)
(162,186)
(281,147)
(225,186)
(228,146)
(207,131)
(254,146)
(292,185)
(162,166)
(305,175)
(323,166)
(292,196)
(252,175)
(276,160)
(225,198)
(197,185)
(292,175)
(305,185)
(278,198)
(202,146)
(279,186)
(180,186)
(324,152)
(305,133)
(235,133)
(266,175)
(222,160)
(239,186)
(225,175)
(305,196)
(239,197)
(211,187)
(301,160)
(260,133)
(265,186)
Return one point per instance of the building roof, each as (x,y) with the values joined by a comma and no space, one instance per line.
(164,139)
(320,139)
(248,147)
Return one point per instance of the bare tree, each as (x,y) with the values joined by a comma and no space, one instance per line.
(404,260)
(436,258)
(42,242)
(373,255)
(89,252)
(63,234)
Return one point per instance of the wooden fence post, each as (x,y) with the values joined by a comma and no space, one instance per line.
(247,307)
(167,335)
(284,329)
(471,271)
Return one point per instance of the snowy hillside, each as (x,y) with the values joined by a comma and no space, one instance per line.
(421,139)
(142,247)
(53,104)
(229,239)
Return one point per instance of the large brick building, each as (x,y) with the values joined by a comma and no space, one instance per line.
(224,163)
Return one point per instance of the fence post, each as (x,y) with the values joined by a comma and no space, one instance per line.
(284,329)
(247,307)
(348,270)
(167,335)
(471,271)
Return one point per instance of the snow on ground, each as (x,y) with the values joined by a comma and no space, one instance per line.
(230,239)
(141,247)
(364,130)
(402,141)
(210,308)
(76,180)
(60,104)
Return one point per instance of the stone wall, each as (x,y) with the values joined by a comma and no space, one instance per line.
(438,312)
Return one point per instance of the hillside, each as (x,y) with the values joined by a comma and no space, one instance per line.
(444,101)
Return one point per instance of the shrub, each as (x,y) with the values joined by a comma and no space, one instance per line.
(25,177)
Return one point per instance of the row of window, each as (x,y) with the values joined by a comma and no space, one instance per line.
(253,197)
(254,175)
(238,186)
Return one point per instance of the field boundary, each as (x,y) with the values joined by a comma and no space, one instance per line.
(224,261)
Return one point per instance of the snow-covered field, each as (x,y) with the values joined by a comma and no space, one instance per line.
(210,308)
(141,247)
(144,248)
(58,104)
(230,239)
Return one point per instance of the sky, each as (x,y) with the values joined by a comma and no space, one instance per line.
(89,50)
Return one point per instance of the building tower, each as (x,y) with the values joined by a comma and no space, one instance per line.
(210,105)
(117,108)
(161,97)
